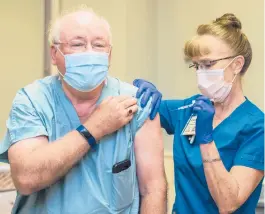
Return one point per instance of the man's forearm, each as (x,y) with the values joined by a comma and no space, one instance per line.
(50,162)
(222,185)
(154,202)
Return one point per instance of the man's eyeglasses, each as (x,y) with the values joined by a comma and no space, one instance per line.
(81,46)
(206,64)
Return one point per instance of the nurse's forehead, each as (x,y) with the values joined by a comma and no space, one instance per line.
(217,48)
(82,24)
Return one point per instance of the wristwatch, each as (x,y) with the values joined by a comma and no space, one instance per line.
(88,136)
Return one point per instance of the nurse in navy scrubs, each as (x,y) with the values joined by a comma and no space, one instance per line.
(222,169)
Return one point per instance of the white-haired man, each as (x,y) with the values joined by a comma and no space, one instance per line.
(78,142)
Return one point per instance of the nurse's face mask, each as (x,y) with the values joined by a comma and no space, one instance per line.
(212,83)
(85,71)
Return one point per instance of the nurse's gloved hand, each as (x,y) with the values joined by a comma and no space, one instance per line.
(148,90)
(205,111)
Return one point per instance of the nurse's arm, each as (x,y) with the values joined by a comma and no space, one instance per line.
(228,189)
(149,154)
(36,163)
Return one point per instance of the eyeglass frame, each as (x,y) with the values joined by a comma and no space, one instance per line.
(196,65)
(68,43)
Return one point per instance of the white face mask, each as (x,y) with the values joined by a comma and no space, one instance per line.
(212,84)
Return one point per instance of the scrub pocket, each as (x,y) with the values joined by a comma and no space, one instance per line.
(123,188)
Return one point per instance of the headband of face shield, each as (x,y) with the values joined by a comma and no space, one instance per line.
(213,85)
(85,71)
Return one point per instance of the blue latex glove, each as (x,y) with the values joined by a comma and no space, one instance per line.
(148,90)
(204,110)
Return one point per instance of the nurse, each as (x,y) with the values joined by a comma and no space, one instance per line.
(221,168)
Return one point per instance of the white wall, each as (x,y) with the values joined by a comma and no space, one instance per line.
(177,22)
(21,49)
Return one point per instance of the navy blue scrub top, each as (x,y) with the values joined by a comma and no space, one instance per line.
(240,141)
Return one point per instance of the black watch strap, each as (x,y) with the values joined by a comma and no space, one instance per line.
(88,136)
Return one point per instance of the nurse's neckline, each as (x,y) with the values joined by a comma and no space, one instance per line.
(242,105)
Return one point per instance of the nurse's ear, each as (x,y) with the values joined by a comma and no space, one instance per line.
(238,64)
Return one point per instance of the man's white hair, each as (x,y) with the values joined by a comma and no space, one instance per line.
(55,27)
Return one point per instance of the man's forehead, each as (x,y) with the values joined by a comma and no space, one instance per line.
(82,25)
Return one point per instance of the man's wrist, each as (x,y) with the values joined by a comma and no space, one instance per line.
(93,129)
(88,136)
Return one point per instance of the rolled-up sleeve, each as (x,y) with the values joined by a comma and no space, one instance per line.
(24,122)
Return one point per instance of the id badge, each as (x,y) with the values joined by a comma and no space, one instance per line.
(190,126)
(189,129)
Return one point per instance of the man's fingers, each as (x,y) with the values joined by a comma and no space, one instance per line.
(128,119)
(132,110)
(130,113)
(129,102)
(121,98)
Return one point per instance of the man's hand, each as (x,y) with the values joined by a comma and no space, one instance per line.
(112,114)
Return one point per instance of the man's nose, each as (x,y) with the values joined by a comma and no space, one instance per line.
(89,47)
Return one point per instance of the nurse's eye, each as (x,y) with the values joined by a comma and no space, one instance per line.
(207,65)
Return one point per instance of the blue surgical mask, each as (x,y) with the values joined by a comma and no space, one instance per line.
(85,71)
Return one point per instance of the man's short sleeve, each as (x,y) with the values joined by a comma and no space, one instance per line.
(23,122)
(251,151)
(142,113)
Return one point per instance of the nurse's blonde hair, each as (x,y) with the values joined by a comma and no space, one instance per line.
(228,29)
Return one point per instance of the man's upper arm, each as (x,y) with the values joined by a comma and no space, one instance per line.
(149,154)
(22,149)
(25,129)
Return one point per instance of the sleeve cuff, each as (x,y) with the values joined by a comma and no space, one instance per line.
(251,161)
(23,133)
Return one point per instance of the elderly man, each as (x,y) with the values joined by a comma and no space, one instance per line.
(78,142)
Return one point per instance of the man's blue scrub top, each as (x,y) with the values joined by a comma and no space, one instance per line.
(240,141)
